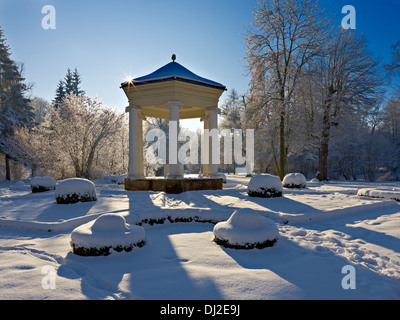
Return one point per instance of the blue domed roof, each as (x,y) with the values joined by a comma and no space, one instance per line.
(174,71)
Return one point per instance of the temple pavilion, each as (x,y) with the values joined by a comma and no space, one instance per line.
(171,92)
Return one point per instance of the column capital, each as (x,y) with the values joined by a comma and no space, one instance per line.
(213,111)
(133,108)
(172,104)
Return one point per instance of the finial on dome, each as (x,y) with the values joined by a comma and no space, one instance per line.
(173,57)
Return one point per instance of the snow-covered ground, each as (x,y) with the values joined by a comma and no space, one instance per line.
(322,229)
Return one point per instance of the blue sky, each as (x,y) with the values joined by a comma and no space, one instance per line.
(109,40)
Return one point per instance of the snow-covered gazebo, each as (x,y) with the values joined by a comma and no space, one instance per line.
(171,92)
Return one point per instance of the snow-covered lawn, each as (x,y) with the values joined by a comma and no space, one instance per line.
(322,228)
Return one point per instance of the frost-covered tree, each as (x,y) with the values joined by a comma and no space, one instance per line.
(232,110)
(31,148)
(111,156)
(78,127)
(390,128)
(391,119)
(285,35)
(15,110)
(393,69)
(337,91)
(41,108)
(349,82)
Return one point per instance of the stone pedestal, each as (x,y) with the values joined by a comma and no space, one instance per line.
(173,185)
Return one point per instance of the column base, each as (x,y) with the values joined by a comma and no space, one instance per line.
(173,185)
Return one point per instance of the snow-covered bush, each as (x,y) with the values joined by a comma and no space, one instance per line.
(375,193)
(223,176)
(265,185)
(246,229)
(74,190)
(41,184)
(109,231)
(294,180)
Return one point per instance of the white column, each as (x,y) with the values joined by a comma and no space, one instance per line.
(141,155)
(135,142)
(173,162)
(205,149)
(213,142)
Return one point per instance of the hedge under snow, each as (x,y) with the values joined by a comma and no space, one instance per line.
(109,231)
(74,190)
(373,193)
(246,229)
(294,180)
(41,184)
(265,185)
(115,179)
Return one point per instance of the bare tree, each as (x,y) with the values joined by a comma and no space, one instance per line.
(286,35)
(393,69)
(349,82)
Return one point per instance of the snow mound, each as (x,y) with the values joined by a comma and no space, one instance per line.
(74,190)
(41,184)
(373,193)
(20,185)
(294,180)
(246,229)
(109,231)
(265,185)
(223,176)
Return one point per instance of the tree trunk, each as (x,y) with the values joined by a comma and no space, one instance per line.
(33,171)
(324,145)
(89,162)
(8,171)
(78,171)
(282,148)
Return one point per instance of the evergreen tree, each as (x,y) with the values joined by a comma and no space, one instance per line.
(60,94)
(68,82)
(15,110)
(76,81)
